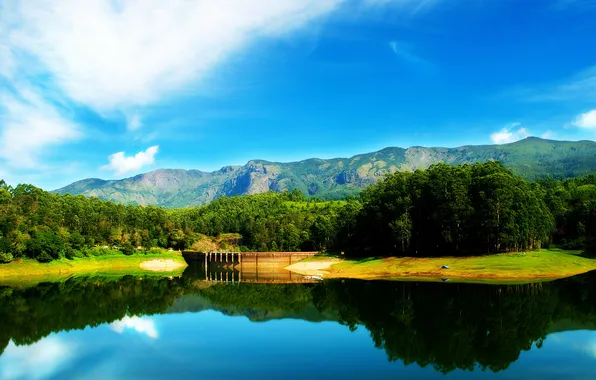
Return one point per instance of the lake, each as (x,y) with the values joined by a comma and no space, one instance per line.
(155,327)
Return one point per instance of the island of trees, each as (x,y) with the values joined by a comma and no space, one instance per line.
(444,210)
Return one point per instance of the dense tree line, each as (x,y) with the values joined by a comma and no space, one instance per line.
(268,222)
(46,226)
(469,209)
(573,205)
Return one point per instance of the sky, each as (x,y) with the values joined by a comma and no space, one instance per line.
(110,89)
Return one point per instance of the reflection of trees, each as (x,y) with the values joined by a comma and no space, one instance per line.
(30,314)
(256,301)
(578,297)
(448,326)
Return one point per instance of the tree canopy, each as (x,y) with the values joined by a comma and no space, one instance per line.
(482,208)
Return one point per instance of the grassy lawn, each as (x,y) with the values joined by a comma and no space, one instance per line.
(546,264)
(112,265)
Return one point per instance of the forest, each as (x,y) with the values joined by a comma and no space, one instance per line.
(444,210)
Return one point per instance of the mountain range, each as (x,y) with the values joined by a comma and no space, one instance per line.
(531,158)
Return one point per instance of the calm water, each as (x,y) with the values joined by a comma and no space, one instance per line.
(104,328)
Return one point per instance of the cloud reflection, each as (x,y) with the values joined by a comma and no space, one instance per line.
(588,347)
(580,340)
(40,360)
(142,325)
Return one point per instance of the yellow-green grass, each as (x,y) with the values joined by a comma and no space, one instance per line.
(545,264)
(27,271)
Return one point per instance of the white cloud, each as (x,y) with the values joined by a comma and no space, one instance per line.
(142,325)
(548,135)
(6,61)
(580,88)
(590,349)
(584,341)
(133,122)
(118,56)
(114,55)
(40,360)
(509,135)
(404,52)
(122,164)
(586,120)
(29,126)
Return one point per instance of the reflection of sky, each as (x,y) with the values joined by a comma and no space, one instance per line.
(142,325)
(209,345)
(37,361)
(584,343)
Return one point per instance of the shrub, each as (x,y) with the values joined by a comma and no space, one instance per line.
(5,245)
(77,241)
(6,258)
(71,253)
(573,244)
(44,257)
(204,244)
(104,251)
(99,252)
(128,249)
(45,246)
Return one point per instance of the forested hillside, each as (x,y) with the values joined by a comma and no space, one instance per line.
(532,158)
(463,210)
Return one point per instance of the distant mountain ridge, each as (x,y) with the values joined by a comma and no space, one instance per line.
(531,158)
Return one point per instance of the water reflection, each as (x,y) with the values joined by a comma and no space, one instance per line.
(30,314)
(447,327)
(142,325)
(37,361)
(250,268)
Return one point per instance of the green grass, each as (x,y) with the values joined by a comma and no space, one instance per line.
(546,264)
(26,270)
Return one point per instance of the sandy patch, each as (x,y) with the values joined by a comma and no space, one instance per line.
(312,268)
(162,265)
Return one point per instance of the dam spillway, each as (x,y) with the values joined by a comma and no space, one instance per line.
(254,267)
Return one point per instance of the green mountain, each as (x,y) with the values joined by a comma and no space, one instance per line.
(531,158)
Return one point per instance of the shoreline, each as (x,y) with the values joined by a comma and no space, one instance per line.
(28,270)
(540,265)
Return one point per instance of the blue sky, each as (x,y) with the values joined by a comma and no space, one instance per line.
(111,89)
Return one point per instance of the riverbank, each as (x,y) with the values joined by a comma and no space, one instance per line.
(526,266)
(164,262)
